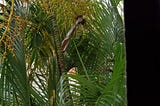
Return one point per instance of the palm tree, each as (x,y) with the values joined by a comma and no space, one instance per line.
(33,67)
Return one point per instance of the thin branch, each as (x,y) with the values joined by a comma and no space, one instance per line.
(9,21)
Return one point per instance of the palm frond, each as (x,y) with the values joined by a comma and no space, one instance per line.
(115,90)
(16,75)
(83,91)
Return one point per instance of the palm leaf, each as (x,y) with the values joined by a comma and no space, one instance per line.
(16,75)
(83,91)
(115,91)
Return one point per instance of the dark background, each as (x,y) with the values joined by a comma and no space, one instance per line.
(142,31)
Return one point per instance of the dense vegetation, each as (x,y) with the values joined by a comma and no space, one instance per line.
(33,68)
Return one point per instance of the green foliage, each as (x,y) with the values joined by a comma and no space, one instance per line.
(30,39)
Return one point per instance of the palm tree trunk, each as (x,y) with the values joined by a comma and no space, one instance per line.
(60,58)
(57,45)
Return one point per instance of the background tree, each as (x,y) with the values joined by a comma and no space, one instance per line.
(31,58)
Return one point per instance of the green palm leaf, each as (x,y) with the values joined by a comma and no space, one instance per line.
(16,74)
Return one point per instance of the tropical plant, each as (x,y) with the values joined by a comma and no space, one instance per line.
(33,67)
